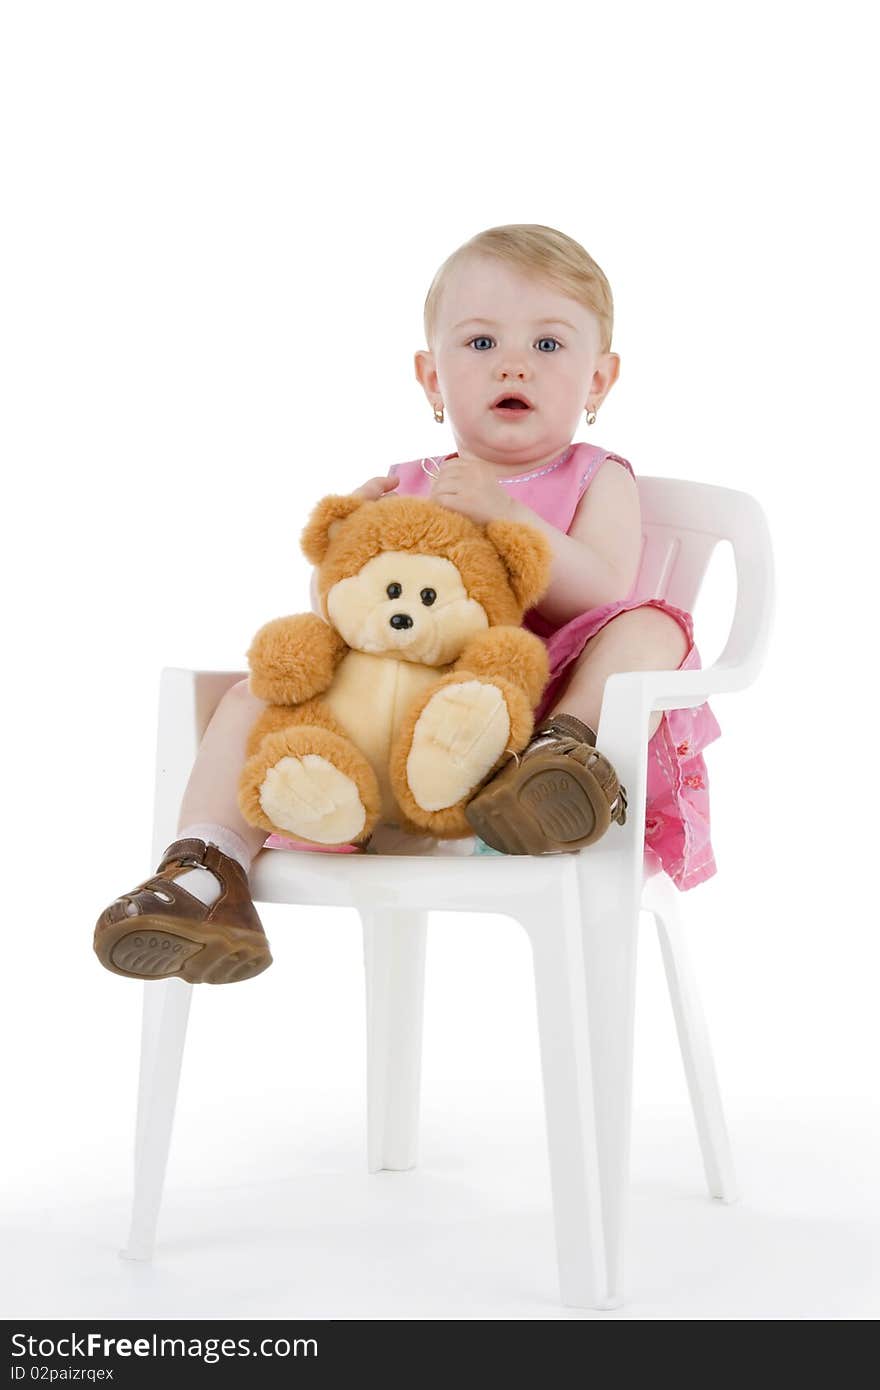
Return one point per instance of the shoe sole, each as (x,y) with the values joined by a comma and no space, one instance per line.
(548,805)
(147,948)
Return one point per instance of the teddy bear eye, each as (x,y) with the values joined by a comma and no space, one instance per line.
(394,591)
(428,596)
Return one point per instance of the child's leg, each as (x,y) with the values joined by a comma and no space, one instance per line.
(209,810)
(194,917)
(641,639)
(211,795)
(561,793)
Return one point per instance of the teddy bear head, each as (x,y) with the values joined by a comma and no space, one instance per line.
(405,577)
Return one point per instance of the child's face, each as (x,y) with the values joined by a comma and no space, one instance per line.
(499,331)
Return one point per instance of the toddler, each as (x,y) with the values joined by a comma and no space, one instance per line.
(518,323)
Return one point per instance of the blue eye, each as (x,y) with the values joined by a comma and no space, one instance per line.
(485,339)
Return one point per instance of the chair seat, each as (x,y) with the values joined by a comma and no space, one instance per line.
(415,882)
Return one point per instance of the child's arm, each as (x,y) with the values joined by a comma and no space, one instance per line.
(594,564)
(598,560)
(375,488)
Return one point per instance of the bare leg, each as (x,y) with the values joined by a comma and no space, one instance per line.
(153,932)
(642,639)
(212,791)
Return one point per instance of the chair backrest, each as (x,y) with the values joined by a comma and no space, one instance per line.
(682,522)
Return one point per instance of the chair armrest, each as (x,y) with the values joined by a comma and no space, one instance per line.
(631,696)
(747,642)
(662,690)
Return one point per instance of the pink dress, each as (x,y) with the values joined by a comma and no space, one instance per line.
(677,805)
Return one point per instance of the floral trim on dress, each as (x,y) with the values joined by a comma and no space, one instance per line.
(520,477)
(591,468)
(549,468)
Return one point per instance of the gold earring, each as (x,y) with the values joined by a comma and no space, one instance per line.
(438,413)
(591,415)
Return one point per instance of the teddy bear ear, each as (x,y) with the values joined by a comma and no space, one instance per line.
(527,556)
(315,539)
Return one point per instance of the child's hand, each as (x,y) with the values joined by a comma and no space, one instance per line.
(375,488)
(470,486)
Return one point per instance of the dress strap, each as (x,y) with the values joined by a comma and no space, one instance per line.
(593,465)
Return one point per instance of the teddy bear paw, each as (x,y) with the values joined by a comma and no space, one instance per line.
(460,734)
(311,798)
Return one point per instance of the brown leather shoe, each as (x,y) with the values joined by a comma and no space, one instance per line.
(560,794)
(159,929)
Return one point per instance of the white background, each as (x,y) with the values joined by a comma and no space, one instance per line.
(220,224)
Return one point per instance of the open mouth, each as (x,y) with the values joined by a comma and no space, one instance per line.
(510,405)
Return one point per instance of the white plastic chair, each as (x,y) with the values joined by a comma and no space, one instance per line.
(581,913)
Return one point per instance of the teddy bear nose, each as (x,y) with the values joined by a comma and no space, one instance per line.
(401,620)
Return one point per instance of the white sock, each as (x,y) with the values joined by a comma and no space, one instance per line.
(201,882)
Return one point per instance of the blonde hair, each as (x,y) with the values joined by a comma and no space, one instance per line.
(541,252)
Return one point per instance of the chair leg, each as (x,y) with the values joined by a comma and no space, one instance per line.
(163,1034)
(609,914)
(394,967)
(564,1032)
(696,1052)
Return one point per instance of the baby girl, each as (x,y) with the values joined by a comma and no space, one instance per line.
(518,324)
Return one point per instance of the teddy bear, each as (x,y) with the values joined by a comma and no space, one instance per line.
(414,687)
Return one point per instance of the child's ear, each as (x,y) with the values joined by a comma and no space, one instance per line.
(323,521)
(527,556)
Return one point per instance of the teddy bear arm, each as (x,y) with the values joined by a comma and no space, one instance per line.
(294,658)
(512,652)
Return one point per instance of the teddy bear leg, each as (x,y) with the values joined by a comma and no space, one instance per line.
(312,783)
(454,736)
